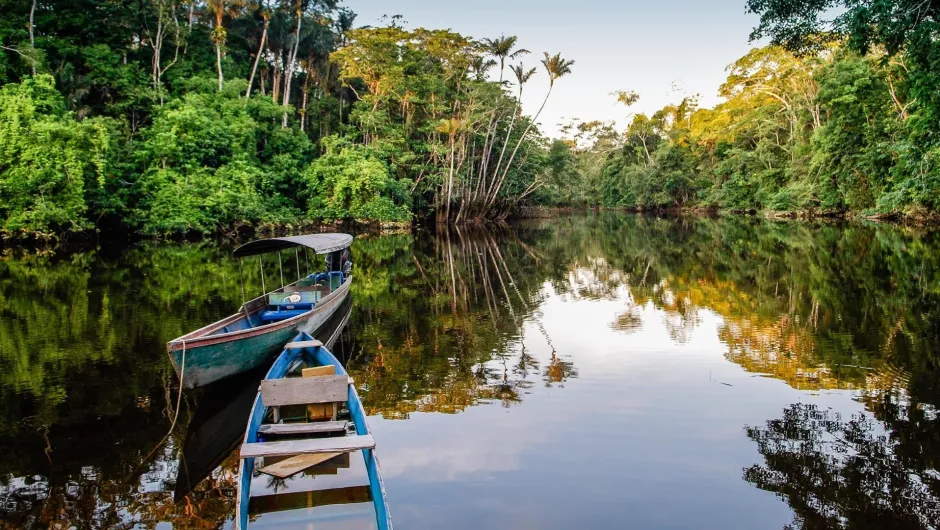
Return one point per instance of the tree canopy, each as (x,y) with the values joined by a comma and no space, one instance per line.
(182,116)
(167,117)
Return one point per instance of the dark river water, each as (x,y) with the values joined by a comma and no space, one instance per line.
(607,371)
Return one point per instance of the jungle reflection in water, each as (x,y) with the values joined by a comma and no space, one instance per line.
(601,370)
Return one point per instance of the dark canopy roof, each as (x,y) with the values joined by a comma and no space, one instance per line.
(320,243)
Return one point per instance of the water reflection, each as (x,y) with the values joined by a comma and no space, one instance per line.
(838,472)
(441,319)
(478,339)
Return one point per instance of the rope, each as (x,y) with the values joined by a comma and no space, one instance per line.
(179,396)
(179,402)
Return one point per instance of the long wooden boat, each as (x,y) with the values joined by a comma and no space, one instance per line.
(307,375)
(253,335)
(218,425)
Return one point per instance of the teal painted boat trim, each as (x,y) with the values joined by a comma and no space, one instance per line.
(210,354)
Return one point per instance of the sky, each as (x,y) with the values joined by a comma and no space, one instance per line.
(662,49)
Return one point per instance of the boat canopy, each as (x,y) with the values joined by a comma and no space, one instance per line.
(320,243)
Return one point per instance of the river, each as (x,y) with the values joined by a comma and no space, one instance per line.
(597,371)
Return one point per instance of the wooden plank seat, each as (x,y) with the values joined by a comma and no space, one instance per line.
(332,389)
(304,390)
(303,344)
(338,444)
(304,428)
(319,385)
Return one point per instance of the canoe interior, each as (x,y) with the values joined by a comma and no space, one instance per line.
(249,315)
(345,491)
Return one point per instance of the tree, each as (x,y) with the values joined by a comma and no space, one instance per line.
(503,48)
(556,67)
(51,162)
(265,12)
(220,9)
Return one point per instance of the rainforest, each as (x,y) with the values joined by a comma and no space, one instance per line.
(179,117)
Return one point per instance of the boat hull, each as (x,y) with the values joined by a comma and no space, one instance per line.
(201,360)
(323,357)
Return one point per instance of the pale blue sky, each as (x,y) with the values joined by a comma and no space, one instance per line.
(650,47)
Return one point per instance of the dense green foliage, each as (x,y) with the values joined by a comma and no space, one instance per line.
(825,133)
(186,116)
(834,116)
(52,165)
(174,116)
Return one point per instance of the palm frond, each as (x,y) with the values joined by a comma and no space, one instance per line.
(556,67)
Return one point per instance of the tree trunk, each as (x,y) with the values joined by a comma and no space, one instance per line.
(450,180)
(32,36)
(275,84)
(289,74)
(218,62)
(254,68)
(518,145)
(303,108)
(157,44)
(502,152)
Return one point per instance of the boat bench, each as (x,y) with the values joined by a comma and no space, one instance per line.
(339,444)
(289,304)
(303,428)
(312,389)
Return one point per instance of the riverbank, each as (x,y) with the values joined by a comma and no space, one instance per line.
(924,219)
(242,232)
(81,240)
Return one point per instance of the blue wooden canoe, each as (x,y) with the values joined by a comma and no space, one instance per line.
(266,438)
(252,336)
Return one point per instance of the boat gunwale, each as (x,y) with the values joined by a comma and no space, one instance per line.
(201,337)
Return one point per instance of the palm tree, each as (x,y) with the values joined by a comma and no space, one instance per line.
(221,8)
(266,16)
(522,77)
(502,49)
(556,67)
(481,65)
